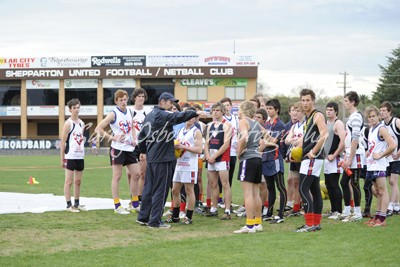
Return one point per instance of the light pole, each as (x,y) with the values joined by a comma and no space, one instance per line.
(344,93)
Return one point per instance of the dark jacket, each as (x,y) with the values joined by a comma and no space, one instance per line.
(156,139)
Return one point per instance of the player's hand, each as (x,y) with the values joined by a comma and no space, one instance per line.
(118,138)
(202,114)
(211,160)
(377,156)
(330,157)
(179,146)
(347,162)
(290,159)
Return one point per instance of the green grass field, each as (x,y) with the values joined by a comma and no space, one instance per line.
(102,238)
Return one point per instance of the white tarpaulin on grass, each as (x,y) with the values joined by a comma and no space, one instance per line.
(39,203)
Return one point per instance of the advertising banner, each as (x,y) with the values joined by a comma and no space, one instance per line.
(44,62)
(214,82)
(13,111)
(118,61)
(10,111)
(61,62)
(83,111)
(17,63)
(173,61)
(119,83)
(42,110)
(80,83)
(28,144)
(42,84)
(234,60)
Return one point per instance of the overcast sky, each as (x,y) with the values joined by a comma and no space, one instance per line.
(295,42)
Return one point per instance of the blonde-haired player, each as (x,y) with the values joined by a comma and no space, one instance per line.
(380,145)
(250,166)
(123,142)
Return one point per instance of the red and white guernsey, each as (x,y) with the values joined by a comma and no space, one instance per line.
(376,145)
(234,121)
(74,148)
(122,125)
(188,161)
(298,129)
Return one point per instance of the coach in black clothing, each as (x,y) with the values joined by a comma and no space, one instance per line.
(156,144)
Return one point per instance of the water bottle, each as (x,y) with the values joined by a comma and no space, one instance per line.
(348,171)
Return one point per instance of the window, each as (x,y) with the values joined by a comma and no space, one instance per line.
(155,87)
(197,93)
(47,128)
(235,93)
(10,93)
(42,97)
(109,95)
(11,129)
(87,96)
(83,89)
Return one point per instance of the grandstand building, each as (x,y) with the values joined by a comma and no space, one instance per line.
(34,91)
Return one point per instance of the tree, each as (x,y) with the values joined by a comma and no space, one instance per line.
(363,99)
(389,83)
(263,88)
(285,102)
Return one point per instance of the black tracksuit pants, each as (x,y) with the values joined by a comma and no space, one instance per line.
(155,192)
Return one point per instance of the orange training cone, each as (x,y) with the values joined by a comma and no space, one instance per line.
(30,180)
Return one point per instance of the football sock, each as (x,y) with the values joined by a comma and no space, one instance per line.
(182,206)
(377,214)
(309,219)
(175,212)
(69,204)
(76,202)
(117,203)
(135,201)
(357,210)
(257,220)
(220,198)
(189,214)
(208,202)
(250,223)
(382,217)
(296,207)
(346,210)
(317,218)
